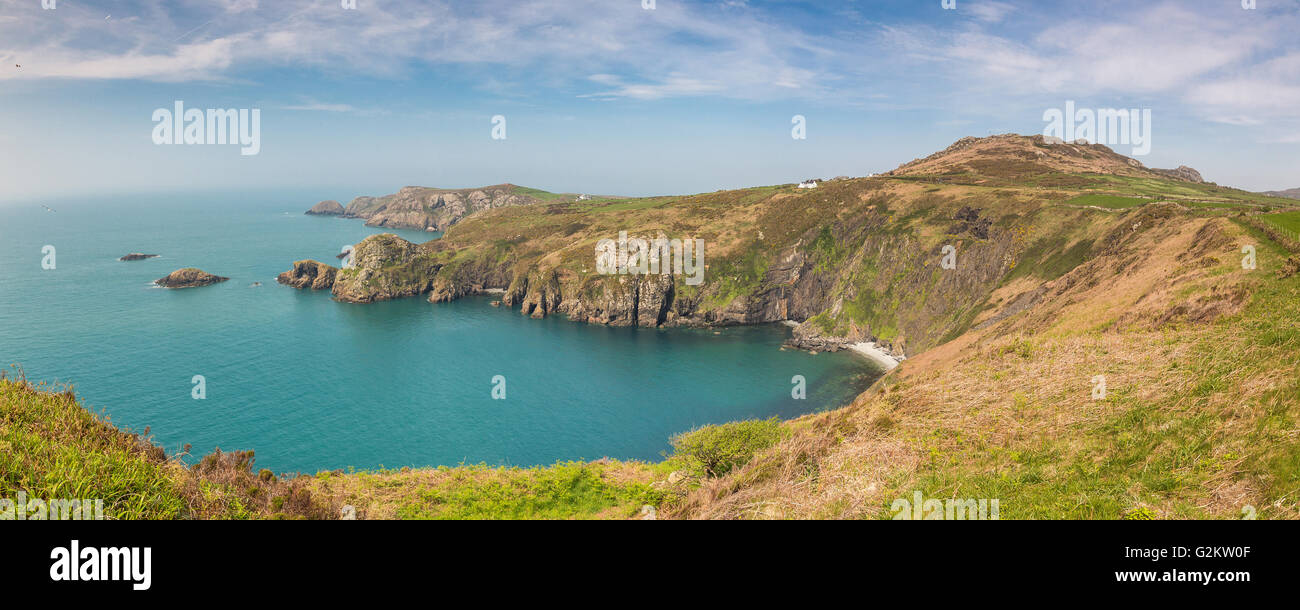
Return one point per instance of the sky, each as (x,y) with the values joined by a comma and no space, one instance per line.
(622,97)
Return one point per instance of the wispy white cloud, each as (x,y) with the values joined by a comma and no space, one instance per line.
(988,11)
(1231,67)
(1240,68)
(320,107)
(679,49)
(200,61)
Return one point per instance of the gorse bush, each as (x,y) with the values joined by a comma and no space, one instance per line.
(720,449)
(1140,514)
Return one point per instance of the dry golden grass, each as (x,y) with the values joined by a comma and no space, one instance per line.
(1017,156)
(957,419)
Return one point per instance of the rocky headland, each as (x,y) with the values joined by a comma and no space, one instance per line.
(326,208)
(433,209)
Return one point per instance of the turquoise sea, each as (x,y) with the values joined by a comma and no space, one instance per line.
(312,384)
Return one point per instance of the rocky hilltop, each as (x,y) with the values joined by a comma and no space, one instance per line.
(189,277)
(1182,172)
(1011,157)
(327,208)
(433,209)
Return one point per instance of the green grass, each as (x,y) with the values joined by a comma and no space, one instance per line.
(1284,220)
(737,276)
(51,448)
(623,205)
(538,193)
(1051,257)
(717,450)
(1165,450)
(1110,202)
(568,490)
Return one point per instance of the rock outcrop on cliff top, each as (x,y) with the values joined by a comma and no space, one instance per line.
(1012,158)
(327,208)
(189,277)
(433,209)
(1182,172)
(309,274)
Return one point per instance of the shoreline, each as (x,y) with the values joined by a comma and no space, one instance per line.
(875,354)
(865,349)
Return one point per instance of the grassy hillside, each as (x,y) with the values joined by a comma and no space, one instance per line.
(857,259)
(1073,264)
(1200,361)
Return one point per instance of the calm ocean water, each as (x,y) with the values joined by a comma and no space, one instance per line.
(313,384)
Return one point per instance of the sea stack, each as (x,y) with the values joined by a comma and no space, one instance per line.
(326,208)
(189,277)
(309,274)
(136,256)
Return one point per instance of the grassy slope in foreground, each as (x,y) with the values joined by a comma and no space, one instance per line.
(1200,360)
(52,448)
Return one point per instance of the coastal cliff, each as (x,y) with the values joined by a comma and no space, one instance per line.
(1016,290)
(906,261)
(309,274)
(433,209)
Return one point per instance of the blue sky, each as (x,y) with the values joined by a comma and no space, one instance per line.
(604,96)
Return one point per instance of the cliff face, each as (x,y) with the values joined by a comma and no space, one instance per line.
(857,279)
(385,267)
(309,274)
(432,209)
(904,261)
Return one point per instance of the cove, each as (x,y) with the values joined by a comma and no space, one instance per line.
(313,384)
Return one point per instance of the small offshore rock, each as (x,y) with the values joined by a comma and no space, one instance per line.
(189,277)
